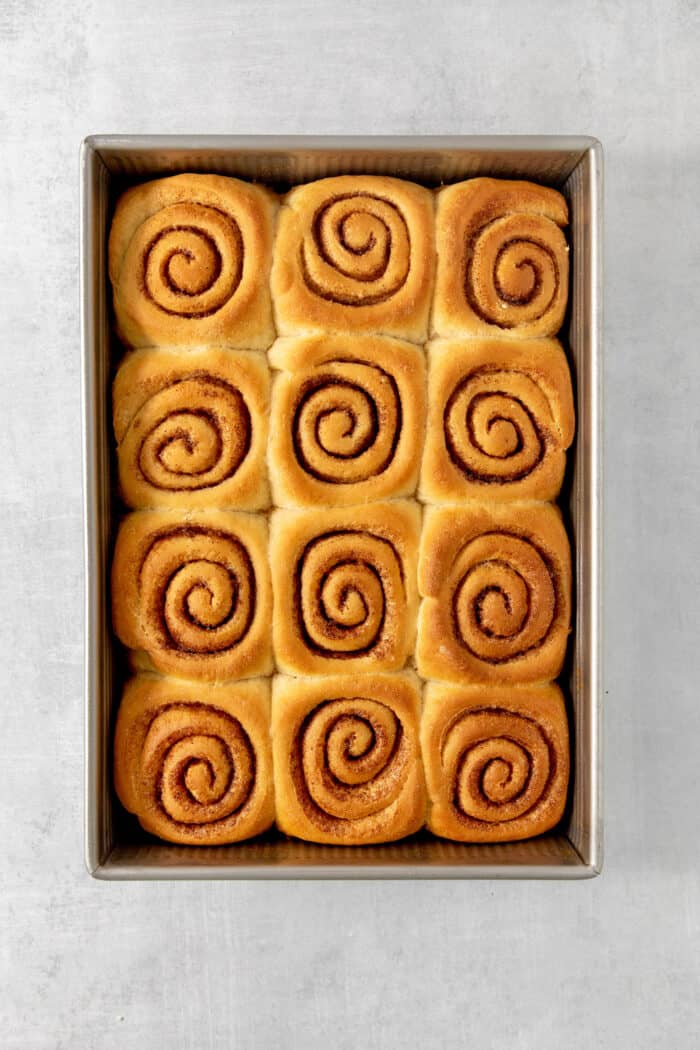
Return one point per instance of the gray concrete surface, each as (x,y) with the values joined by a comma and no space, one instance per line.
(613,962)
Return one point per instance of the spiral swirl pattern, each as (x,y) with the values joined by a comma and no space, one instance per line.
(498,765)
(346,582)
(504,597)
(191,258)
(197,767)
(192,434)
(350,757)
(357,251)
(347,422)
(516,266)
(198,590)
(493,426)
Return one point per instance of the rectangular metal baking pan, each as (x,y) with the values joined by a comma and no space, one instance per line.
(115,848)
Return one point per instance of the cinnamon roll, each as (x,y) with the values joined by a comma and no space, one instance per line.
(347,419)
(496,584)
(345,588)
(347,758)
(189,261)
(194,764)
(500,419)
(503,260)
(193,592)
(191,428)
(496,760)
(354,253)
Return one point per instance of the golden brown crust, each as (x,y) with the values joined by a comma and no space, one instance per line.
(503,262)
(345,588)
(496,582)
(193,591)
(189,261)
(193,762)
(496,760)
(191,428)
(347,419)
(354,253)
(500,418)
(347,758)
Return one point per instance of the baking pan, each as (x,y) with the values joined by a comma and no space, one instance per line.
(116,848)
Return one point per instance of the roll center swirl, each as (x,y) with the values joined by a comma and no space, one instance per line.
(197,765)
(192,259)
(345,580)
(190,435)
(347,422)
(198,588)
(357,251)
(497,426)
(503,597)
(499,763)
(350,756)
(514,269)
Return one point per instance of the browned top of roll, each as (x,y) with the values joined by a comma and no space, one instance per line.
(503,263)
(191,428)
(497,581)
(189,260)
(346,755)
(195,764)
(496,760)
(344,584)
(354,253)
(194,592)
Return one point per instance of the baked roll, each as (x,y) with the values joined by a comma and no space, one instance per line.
(191,428)
(347,419)
(345,587)
(193,591)
(500,419)
(496,760)
(347,758)
(354,253)
(194,764)
(496,582)
(189,261)
(503,260)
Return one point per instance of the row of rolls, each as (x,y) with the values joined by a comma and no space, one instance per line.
(343,420)
(207,260)
(325,504)
(475,593)
(342,760)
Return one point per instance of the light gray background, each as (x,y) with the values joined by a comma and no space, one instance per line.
(612,962)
